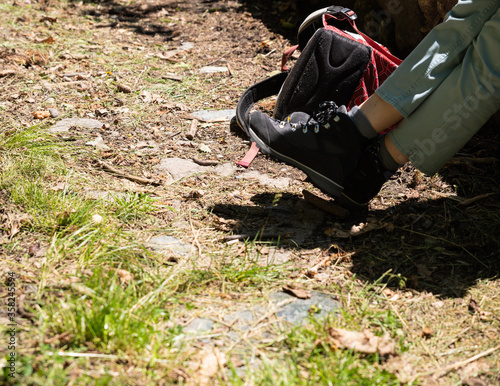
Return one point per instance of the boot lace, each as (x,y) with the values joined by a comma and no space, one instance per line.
(326,112)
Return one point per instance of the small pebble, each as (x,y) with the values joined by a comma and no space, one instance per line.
(54,113)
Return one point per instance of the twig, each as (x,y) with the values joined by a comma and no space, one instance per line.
(139,77)
(474,199)
(444,240)
(324,205)
(485,160)
(84,355)
(140,180)
(455,366)
(252,236)
(192,129)
(203,162)
(323,262)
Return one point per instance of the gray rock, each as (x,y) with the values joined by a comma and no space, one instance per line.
(225,170)
(178,168)
(54,113)
(68,123)
(98,143)
(214,115)
(199,325)
(264,179)
(213,69)
(298,311)
(185,46)
(170,243)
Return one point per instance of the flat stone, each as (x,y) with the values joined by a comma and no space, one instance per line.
(225,170)
(299,310)
(178,168)
(213,69)
(214,115)
(170,243)
(185,46)
(98,143)
(68,123)
(54,113)
(199,325)
(265,180)
(146,148)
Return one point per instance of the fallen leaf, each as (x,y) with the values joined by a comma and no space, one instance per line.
(34,248)
(40,114)
(168,55)
(50,19)
(124,88)
(426,332)
(357,230)
(204,148)
(47,40)
(146,96)
(206,365)
(364,342)
(5,73)
(125,276)
(59,186)
(297,292)
(97,218)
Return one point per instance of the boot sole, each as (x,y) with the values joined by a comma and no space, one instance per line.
(326,184)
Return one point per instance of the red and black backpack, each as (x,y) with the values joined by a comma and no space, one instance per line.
(337,63)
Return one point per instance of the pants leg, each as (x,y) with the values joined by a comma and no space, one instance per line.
(433,60)
(455,110)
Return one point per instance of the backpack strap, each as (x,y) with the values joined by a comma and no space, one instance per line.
(264,89)
(372,43)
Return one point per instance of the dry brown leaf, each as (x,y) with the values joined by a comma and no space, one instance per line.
(297,292)
(124,88)
(34,248)
(47,40)
(357,230)
(206,365)
(5,73)
(364,342)
(146,96)
(50,19)
(125,276)
(168,55)
(59,186)
(40,114)
(426,332)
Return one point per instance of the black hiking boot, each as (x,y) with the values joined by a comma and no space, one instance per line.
(367,180)
(325,145)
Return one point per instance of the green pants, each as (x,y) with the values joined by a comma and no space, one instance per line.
(449,86)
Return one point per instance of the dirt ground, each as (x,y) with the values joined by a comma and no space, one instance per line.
(437,235)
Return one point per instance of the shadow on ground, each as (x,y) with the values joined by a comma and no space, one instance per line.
(431,246)
(431,243)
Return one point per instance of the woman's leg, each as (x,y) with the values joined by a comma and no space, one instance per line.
(433,60)
(458,108)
